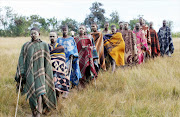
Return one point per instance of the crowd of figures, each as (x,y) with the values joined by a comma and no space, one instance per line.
(49,71)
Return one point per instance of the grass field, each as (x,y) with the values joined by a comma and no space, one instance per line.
(150,89)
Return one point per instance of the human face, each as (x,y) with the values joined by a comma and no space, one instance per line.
(34,34)
(164,23)
(121,25)
(106,25)
(65,31)
(137,26)
(72,33)
(52,37)
(82,30)
(150,24)
(126,26)
(113,30)
(143,23)
(141,20)
(94,27)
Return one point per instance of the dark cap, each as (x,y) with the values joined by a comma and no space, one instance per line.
(37,29)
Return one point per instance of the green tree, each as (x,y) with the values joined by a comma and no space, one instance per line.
(58,26)
(96,15)
(43,23)
(19,26)
(169,23)
(34,21)
(40,22)
(15,25)
(133,22)
(1,16)
(7,18)
(71,23)
(114,17)
(52,22)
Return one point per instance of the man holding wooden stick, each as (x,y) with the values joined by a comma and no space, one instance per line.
(34,68)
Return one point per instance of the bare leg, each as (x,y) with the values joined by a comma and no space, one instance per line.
(144,57)
(39,106)
(57,95)
(113,66)
(65,95)
(36,112)
(169,54)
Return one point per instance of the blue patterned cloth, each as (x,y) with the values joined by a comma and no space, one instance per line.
(70,47)
(165,41)
(95,55)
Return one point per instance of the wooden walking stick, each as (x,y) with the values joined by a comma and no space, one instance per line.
(18,96)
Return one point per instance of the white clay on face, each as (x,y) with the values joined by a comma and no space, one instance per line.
(113,30)
(94,27)
(72,32)
(34,34)
(82,29)
(126,25)
(52,35)
(65,31)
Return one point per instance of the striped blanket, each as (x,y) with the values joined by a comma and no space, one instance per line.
(115,47)
(60,72)
(85,50)
(98,39)
(35,65)
(155,48)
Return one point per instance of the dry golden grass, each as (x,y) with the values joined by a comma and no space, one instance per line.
(150,89)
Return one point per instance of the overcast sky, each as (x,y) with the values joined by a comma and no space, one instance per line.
(152,10)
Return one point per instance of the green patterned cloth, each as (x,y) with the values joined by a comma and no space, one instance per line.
(35,67)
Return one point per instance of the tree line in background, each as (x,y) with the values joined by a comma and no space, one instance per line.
(12,24)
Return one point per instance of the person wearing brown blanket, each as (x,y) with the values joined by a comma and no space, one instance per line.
(98,39)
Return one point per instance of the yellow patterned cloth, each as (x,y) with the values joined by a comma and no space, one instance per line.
(115,47)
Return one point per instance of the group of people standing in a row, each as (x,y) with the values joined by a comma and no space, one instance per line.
(48,70)
(143,42)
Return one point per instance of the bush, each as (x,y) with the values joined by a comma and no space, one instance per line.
(176,35)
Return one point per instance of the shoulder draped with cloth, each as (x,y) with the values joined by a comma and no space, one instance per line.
(115,47)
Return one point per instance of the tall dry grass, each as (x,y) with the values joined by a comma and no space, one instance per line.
(150,89)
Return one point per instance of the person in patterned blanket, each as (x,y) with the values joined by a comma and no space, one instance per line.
(165,40)
(34,68)
(60,73)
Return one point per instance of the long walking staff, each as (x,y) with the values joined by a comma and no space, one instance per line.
(18,96)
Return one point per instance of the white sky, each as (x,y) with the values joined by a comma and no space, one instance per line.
(153,10)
